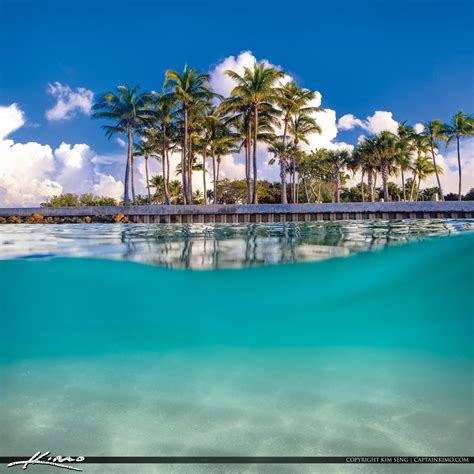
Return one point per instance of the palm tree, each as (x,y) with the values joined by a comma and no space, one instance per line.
(241,120)
(147,148)
(422,147)
(164,114)
(257,89)
(407,145)
(462,125)
(301,126)
(220,141)
(366,152)
(433,131)
(422,169)
(338,159)
(187,89)
(385,148)
(129,111)
(292,100)
(281,151)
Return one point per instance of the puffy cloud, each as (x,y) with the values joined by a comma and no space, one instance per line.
(379,122)
(108,186)
(418,127)
(25,170)
(11,119)
(348,122)
(68,102)
(31,173)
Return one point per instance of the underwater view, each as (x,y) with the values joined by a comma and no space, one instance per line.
(366,355)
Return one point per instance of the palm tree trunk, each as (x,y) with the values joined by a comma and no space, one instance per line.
(147,179)
(403,182)
(255,137)
(214,176)
(412,191)
(383,172)
(127,167)
(293,181)
(459,167)
(218,167)
(190,170)
(184,157)
(336,184)
(248,145)
(166,169)
(362,186)
(370,184)
(204,177)
(284,199)
(440,190)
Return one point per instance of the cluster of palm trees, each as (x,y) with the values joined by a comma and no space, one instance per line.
(390,154)
(188,118)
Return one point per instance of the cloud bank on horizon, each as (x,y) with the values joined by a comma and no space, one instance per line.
(31,173)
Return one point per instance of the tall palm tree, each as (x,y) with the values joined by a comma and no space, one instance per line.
(407,146)
(292,100)
(187,89)
(129,111)
(163,107)
(338,159)
(366,152)
(300,128)
(282,151)
(422,148)
(462,125)
(256,87)
(147,148)
(433,131)
(241,119)
(386,148)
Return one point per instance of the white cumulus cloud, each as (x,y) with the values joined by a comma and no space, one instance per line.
(68,102)
(380,121)
(11,118)
(31,173)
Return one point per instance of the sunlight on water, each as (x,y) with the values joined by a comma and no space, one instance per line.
(201,246)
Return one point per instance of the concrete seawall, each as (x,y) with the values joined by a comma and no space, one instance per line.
(230,213)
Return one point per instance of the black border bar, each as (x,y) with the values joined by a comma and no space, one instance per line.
(260,460)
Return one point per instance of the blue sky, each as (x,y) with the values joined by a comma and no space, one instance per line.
(412,58)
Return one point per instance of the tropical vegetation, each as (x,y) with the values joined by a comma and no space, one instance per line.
(265,113)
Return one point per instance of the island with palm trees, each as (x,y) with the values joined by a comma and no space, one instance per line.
(189,120)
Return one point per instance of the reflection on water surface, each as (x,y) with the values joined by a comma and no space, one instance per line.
(206,246)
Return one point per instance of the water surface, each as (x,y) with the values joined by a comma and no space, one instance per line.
(207,246)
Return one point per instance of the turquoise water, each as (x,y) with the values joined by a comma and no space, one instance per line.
(368,355)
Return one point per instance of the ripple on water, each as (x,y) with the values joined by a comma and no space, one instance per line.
(201,246)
